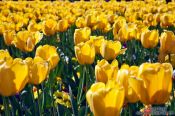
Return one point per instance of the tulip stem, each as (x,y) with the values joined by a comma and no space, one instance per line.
(33,99)
(6,106)
(39,107)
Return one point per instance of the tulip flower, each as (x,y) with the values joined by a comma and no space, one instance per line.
(82,35)
(105,71)
(12,78)
(97,41)
(111,49)
(48,53)
(167,42)
(9,36)
(122,78)
(26,40)
(120,22)
(80,22)
(127,32)
(150,39)
(33,26)
(5,57)
(166,20)
(154,83)
(38,70)
(91,20)
(62,25)
(85,52)
(49,27)
(105,100)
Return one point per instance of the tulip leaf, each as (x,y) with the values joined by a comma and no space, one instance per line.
(73,102)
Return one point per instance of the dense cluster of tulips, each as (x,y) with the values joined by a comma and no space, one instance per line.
(87,58)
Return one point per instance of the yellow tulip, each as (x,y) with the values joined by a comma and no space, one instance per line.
(167,42)
(9,36)
(120,22)
(80,22)
(105,100)
(91,20)
(38,70)
(85,52)
(62,25)
(12,78)
(102,22)
(71,19)
(26,40)
(122,78)
(154,83)
(150,19)
(110,49)
(19,26)
(82,35)
(49,27)
(48,53)
(150,39)
(105,71)
(127,32)
(33,26)
(166,20)
(5,57)
(97,41)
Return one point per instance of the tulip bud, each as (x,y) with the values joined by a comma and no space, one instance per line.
(82,35)
(105,100)
(105,71)
(85,52)
(154,83)
(48,53)
(150,39)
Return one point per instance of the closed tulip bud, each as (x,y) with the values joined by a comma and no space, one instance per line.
(33,26)
(62,25)
(85,52)
(110,49)
(102,22)
(48,53)
(105,100)
(12,78)
(150,39)
(167,42)
(5,57)
(82,35)
(105,71)
(91,20)
(154,83)
(26,40)
(127,32)
(166,20)
(9,36)
(71,19)
(97,41)
(80,22)
(38,70)
(122,78)
(120,22)
(49,27)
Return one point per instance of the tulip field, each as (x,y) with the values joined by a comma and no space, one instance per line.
(87,58)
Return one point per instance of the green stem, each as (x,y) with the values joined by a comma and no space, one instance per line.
(87,86)
(81,85)
(33,99)
(6,105)
(39,105)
